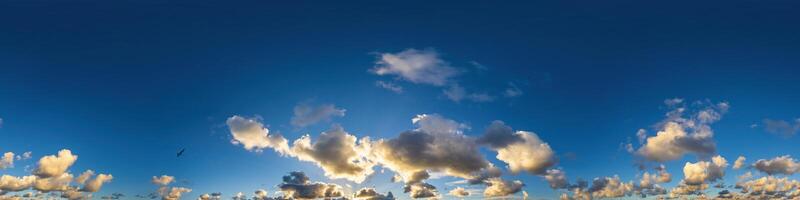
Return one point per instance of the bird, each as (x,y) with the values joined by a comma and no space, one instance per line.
(181,152)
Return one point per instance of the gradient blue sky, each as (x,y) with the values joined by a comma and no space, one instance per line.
(126,84)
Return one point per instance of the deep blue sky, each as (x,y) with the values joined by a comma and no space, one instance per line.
(125,84)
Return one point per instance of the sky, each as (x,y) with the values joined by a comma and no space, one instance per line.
(449,100)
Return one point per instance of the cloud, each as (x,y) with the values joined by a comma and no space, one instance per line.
(512,91)
(499,188)
(421,190)
(260,195)
(556,178)
(739,163)
(212,196)
(306,114)
(24,156)
(167,193)
(16,184)
(95,184)
(782,127)
(649,181)
(55,165)
(459,192)
(457,93)
(779,165)
(297,185)
(162,180)
(416,66)
(678,136)
(437,144)
(338,153)
(610,187)
(254,136)
(372,194)
(7,160)
(704,172)
(389,86)
(532,155)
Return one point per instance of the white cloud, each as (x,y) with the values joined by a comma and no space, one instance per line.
(457,93)
(55,165)
(497,187)
(254,136)
(531,155)
(704,172)
(306,114)
(416,66)
(512,90)
(459,192)
(7,160)
(389,86)
(739,163)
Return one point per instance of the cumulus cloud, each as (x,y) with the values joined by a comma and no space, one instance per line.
(306,114)
(162,180)
(782,127)
(437,144)
(389,86)
(298,186)
(55,165)
(95,184)
(610,187)
(739,163)
(212,196)
(678,135)
(372,194)
(252,134)
(532,155)
(16,184)
(779,165)
(497,187)
(338,153)
(166,192)
(521,150)
(648,180)
(7,160)
(420,190)
(459,192)
(416,66)
(556,178)
(704,172)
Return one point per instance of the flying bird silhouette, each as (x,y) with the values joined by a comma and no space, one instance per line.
(181,152)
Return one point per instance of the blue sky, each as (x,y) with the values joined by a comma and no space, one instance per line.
(126,84)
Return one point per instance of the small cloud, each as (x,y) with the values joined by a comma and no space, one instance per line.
(782,127)
(416,66)
(478,66)
(512,90)
(457,93)
(389,86)
(306,114)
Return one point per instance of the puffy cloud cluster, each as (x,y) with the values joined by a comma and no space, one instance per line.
(679,135)
(337,153)
(52,175)
(769,187)
(779,165)
(704,172)
(436,145)
(521,150)
(416,66)
(306,114)
(497,187)
(212,196)
(372,194)
(297,185)
(165,191)
(252,134)
(459,192)
(601,187)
